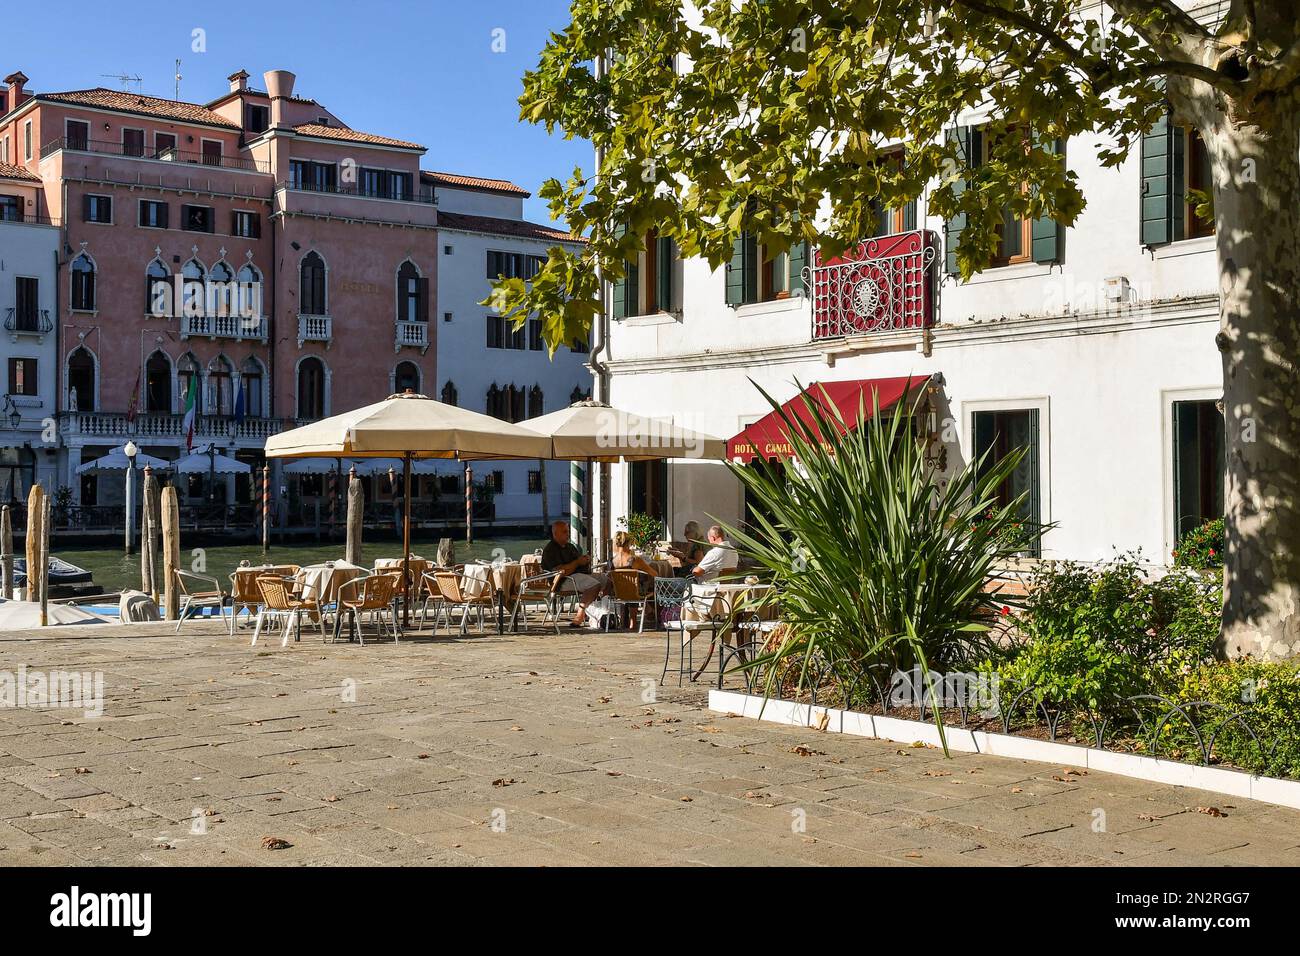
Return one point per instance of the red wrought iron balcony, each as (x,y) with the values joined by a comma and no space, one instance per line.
(886,284)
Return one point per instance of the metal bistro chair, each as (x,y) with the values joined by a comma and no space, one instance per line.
(377,597)
(674,597)
(537,589)
(451,585)
(193,597)
(754,625)
(279,601)
(631,588)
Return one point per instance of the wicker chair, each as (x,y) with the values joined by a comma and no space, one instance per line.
(245,595)
(537,589)
(194,595)
(375,595)
(632,588)
(451,585)
(279,601)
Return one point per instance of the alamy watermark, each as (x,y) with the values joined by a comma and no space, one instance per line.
(49,690)
(931,689)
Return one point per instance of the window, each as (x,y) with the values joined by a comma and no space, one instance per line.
(250,388)
(891,221)
(650,283)
(385,184)
(312,285)
(257,119)
(158,383)
(81,381)
(999,433)
(211,152)
(446,316)
(535,334)
(406,376)
(647,490)
(11,209)
(311,389)
(506,403)
(27,303)
(449,484)
(246,225)
(578,395)
(752,276)
(164,146)
(449,396)
(157,290)
(22,376)
(535,481)
(496,480)
(78,134)
(447,250)
(313,177)
(98,208)
(501,334)
(1198,464)
(132,142)
(219,294)
(412,295)
(195,295)
(83,284)
(219,400)
(535,402)
(188,380)
(27,141)
(512,265)
(153,215)
(197,218)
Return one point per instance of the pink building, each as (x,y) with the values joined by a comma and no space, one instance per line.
(256,252)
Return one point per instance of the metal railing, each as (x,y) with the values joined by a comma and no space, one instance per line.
(421,194)
(886,284)
(170,155)
(224,327)
(412,333)
(36,321)
(11,214)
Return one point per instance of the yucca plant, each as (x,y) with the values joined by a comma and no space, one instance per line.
(877,558)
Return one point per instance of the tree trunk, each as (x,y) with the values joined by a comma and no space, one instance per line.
(1257,212)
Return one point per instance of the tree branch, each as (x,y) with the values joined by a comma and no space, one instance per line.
(1183,37)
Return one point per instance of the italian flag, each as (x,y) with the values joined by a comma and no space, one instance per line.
(187,424)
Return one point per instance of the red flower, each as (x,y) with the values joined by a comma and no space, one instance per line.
(1005,610)
(1211,552)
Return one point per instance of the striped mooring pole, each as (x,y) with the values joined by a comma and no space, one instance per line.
(577,492)
(266,508)
(469,505)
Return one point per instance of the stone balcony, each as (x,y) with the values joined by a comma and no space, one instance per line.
(315,328)
(214,327)
(114,427)
(412,335)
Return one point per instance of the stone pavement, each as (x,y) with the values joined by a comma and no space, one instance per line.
(525,750)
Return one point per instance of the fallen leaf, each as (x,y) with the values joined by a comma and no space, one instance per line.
(275,843)
(804,751)
(1211,811)
(503,781)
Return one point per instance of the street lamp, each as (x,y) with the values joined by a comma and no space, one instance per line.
(130,450)
(14,416)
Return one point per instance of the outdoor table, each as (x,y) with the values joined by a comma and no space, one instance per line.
(322,581)
(662,567)
(503,577)
(724,599)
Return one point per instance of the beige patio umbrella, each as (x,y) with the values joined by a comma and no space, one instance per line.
(594,431)
(409,427)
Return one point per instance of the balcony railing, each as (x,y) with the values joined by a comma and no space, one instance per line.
(315,328)
(108,148)
(415,334)
(224,327)
(422,194)
(32,321)
(11,214)
(886,284)
(162,425)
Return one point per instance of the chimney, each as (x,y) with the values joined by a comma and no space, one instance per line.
(14,95)
(238,81)
(279,84)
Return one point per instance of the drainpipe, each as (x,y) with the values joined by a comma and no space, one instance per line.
(599,344)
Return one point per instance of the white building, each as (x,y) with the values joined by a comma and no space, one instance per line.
(28,304)
(483,364)
(1094,345)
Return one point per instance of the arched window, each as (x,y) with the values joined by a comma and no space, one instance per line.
(311,295)
(157,290)
(578,395)
(412,297)
(250,291)
(220,397)
(311,389)
(81,380)
(449,396)
(494,404)
(516,406)
(250,386)
(158,384)
(188,380)
(83,284)
(222,291)
(406,376)
(194,274)
(535,401)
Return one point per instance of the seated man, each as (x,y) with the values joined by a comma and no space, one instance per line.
(560,554)
(721,557)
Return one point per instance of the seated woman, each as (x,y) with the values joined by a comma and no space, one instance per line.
(625,556)
(691,551)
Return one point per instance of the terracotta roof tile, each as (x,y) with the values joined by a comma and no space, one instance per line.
(116,100)
(504,227)
(457,181)
(351,136)
(17,172)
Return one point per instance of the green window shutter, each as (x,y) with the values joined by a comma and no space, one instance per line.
(1163,185)
(798,261)
(742,273)
(1046,232)
(620,286)
(665,262)
(970,145)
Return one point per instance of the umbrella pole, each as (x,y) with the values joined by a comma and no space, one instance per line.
(406,541)
(586,505)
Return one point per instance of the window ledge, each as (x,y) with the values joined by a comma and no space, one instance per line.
(27,401)
(652,318)
(1022,270)
(1185,247)
(791,304)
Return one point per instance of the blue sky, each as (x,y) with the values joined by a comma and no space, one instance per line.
(439,80)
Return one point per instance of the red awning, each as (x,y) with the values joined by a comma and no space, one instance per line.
(767,438)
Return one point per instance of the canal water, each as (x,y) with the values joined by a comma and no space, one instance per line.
(113,571)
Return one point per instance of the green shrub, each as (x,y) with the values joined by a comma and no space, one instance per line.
(645,530)
(1201,548)
(1094,637)
(1266,695)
